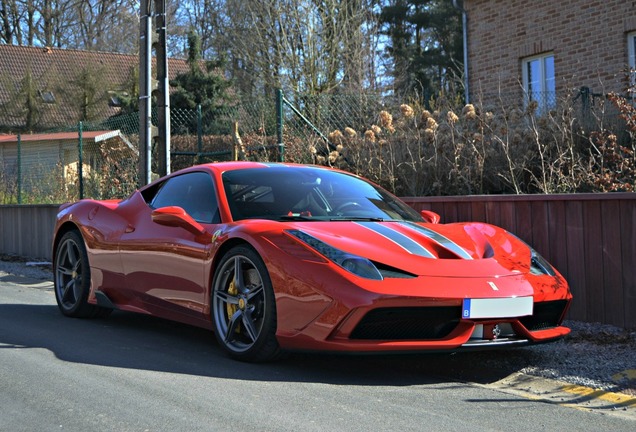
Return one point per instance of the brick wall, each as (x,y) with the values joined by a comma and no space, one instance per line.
(587,37)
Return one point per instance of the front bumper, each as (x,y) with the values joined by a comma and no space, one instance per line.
(432,328)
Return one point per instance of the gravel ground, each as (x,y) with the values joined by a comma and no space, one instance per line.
(599,356)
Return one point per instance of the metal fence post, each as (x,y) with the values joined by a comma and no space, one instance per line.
(279,125)
(199,134)
(585,93)
(80,164)
(19,168)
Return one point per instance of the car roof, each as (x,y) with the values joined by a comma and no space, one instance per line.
(236,165)
(218,168)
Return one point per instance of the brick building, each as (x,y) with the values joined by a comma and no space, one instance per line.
(542,50)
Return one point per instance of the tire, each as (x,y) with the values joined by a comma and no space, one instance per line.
(72,278)
(244,308)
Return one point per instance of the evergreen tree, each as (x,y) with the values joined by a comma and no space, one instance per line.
(425,45)
(24,106)
(202,85)
(84,92)
(128,99)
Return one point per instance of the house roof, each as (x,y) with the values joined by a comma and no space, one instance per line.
(94,136)
(54,71)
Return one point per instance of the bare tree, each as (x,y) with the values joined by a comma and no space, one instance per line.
(80,24)
(309,46)
(104,25)
(56,23)
(15,16)
(203,18)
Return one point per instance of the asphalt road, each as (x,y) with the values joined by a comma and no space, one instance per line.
(137,373)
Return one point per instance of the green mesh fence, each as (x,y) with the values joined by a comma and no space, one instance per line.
(49,169)
(409,149)
(100,159)
(65,165)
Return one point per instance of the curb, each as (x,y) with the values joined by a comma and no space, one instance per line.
(569,395)
(25,281)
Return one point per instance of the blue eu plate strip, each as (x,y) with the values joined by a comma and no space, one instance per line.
(466,308)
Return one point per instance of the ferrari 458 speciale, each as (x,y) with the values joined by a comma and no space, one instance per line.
(279,257)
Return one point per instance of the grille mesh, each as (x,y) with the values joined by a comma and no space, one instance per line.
(421,323)
(546,315)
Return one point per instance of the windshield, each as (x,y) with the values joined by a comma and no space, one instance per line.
(309,193)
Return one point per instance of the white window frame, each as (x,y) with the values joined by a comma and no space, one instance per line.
(548,101)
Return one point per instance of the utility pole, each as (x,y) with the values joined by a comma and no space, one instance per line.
(145,93)
(163,89)
(149,87)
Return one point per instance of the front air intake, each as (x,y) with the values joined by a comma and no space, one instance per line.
(545,315)
(418,323)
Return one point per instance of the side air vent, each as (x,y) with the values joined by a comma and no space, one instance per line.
(391,272)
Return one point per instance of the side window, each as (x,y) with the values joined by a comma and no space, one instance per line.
(539,81)
(631,58)
(194,192)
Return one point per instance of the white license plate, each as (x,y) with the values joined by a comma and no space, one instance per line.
(497,307)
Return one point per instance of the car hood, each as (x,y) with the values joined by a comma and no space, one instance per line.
(460,250)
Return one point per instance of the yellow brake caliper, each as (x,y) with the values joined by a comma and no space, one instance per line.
(252,277)
(233,291)
(232,308)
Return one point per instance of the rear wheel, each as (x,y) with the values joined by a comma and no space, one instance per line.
(243,307)
(72,278)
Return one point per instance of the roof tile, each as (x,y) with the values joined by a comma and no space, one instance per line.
(54,70)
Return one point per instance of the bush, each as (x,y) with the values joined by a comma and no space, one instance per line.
(451,150)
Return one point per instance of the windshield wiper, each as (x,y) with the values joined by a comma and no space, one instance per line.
(331,219)
(357,219)
(296,218)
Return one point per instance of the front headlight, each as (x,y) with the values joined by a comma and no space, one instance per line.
(357,265)
(539,265)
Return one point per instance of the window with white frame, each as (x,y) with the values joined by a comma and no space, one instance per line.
(539,81)
(631,57)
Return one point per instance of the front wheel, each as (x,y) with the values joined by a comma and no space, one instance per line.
(72,278)
(243,307)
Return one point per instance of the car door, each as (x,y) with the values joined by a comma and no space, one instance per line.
(164,265)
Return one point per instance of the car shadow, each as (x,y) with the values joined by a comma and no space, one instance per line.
(127,340)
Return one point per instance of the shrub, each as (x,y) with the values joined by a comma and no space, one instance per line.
(463,150)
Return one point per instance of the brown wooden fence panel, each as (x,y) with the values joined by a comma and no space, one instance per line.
(590,239)
(628,251)
(593,245)
(575,239)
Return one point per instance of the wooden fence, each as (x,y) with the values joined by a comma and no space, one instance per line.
(589,238)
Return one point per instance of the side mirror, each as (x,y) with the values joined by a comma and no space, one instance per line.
(430,216)
(177,217)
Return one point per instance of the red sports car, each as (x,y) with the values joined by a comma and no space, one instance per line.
(279,257)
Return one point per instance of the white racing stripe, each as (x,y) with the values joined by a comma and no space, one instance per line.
(440,239)
(406,243)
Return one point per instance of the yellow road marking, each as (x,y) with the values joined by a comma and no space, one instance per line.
(567,395)
(629,375)
(589,393)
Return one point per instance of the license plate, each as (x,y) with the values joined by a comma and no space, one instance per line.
(497,307)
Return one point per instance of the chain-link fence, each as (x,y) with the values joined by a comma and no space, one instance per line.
(89,160)
(381,138)
(100,159)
